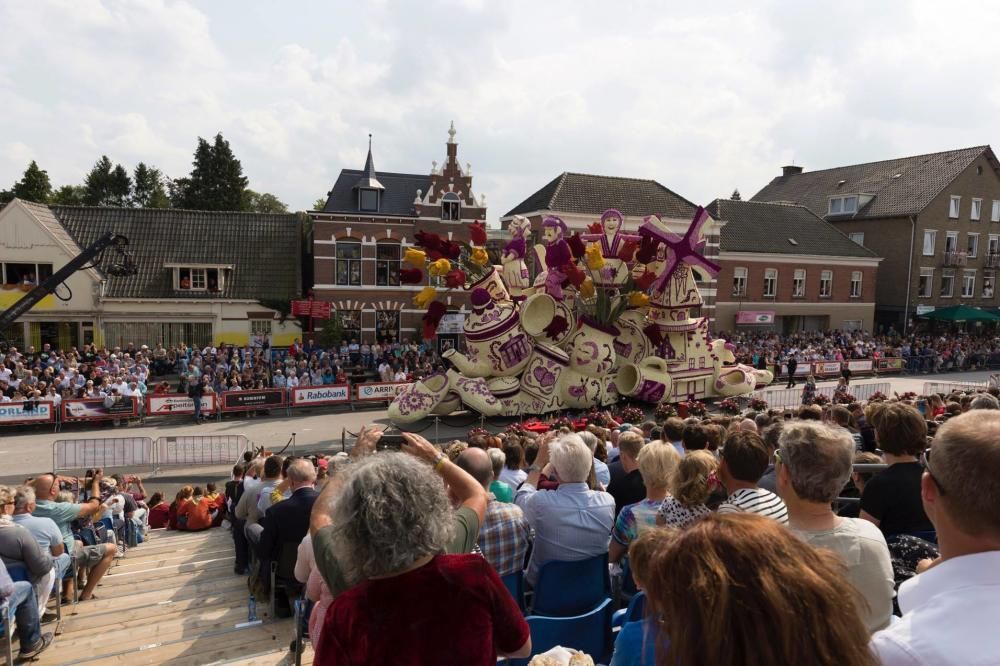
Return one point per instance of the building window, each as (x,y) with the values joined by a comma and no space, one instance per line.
(989,279)
(954,206)
(858,237)
(825,284)
(799,283)
(261,327)
(843,205)
(25,274)
(995,214)
(951,242)
(198,279)
(926,284)
(387,264)
(368,200)
(930,240)
(349,263)
(387,325)
(947,283)
(968,284)
(770,282)
(740,281)
(972,248)
(451,207)
(855,284)
(977,210)
(852,324)
(350,324)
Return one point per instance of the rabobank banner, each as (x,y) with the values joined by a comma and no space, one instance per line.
(314,396)
(15,413)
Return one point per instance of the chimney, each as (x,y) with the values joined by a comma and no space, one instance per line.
(790,170)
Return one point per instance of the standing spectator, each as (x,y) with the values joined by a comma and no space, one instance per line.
(959,593)
(815,463)
(744,460)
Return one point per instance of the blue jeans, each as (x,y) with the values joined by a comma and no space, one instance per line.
(24,608)
(61,565)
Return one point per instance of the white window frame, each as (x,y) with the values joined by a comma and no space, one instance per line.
(947,277)
(954,207)
(799,283)
(993,244)
(972,246)
(976,210)
(770,287)
(989,277)
(856,283)
(740,279)
(858,237)
(845,205)
(932,235)
(826,284)
(929,274)
(995,213)
(951,236)
(262,326)
(968,288)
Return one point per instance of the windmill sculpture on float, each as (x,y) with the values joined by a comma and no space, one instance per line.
(609,316)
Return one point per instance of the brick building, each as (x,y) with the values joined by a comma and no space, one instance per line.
(579,199)
(935,219)
(785,269)
(369,220)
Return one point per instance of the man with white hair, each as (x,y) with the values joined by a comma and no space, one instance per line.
(959,593)
(571,522)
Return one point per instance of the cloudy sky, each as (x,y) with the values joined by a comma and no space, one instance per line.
(702,96)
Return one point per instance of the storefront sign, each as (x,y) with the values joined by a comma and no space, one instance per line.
(241,401)
(16,413)
(755,317)
(924,309)
(167,405)
(315,309)
(313,396)
(93,409)
(382,391)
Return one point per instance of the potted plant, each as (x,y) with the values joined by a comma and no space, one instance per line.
(729,406)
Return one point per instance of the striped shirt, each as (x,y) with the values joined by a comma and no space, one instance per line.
(756,500)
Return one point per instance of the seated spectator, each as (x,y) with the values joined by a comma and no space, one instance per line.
(744,460)
(815,462)
(745,571)
(95,560)
(770,437)
(673,432)
(513,474)
(958,593)
(46,534)
(694,437)
(408,603)
(891,499)
(174,519)
(571,522)
(287,521)
(20,597)
(18,547)
(505,535)
(841,417)
(601,470)
(657,464)
(308,574)
(195,514)
(692,483)
(500,490)
(636,642)
(248,509)
(984,401)
(159,511)
(626,485)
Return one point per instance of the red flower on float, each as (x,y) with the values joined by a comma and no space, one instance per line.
(627,253)
(428,241)
(411,276)
(455,279)
(645,281)
(477,232)
(576,246)
(647,250)
(574,275)
(435,311)
(595,228)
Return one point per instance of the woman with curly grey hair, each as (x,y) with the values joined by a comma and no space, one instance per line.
(407,601)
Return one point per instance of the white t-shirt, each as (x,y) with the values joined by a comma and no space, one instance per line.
(513,477)
(756,500)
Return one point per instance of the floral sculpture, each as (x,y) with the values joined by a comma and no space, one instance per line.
(609,313)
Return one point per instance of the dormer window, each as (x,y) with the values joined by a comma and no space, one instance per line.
(847,205)
(451,207)
(206,279)
(367,200)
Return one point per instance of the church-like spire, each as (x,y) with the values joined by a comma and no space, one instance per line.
(368,179)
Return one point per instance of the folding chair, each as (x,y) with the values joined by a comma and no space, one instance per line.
(633,613)
(514,582)
(588,632)
(566,589)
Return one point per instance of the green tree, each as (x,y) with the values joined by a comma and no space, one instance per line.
(34,185)
(148,190)
(319,204)
(217,181)
(121,187)
(263,203)
(68,195)
(107,184)
(332,332)
(177,189)
(6,196)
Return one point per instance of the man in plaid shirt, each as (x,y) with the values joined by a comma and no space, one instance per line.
(504,535)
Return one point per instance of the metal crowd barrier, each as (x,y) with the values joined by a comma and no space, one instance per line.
(785,398)
(193,450)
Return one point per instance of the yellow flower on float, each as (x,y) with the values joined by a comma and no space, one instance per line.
(587,288)
(414,257)
(637,299)
(479,256)
(595,260)
(424,297)
(439,268)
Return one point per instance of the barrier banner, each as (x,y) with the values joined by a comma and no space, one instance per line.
(859,366)
(177,403)
(93,409)
(890,364)
(381,391)
(314,396)
(241,401)
(801,370)
(827,368)
(19,413)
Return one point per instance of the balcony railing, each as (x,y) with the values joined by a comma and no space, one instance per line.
(955,259)
(992,260)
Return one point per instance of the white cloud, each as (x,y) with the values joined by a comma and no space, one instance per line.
(703,97)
